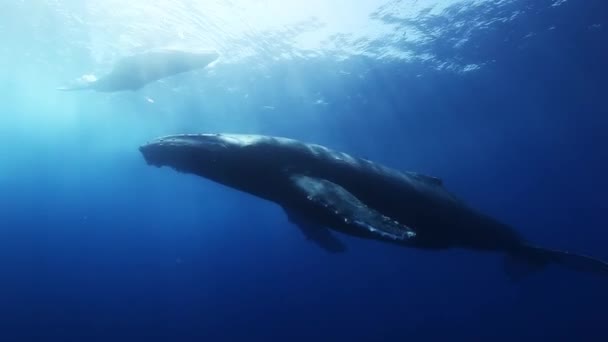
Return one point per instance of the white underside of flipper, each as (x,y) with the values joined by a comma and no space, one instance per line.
(84,82)
(336,200)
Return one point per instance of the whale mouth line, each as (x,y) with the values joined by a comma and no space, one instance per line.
(151,155)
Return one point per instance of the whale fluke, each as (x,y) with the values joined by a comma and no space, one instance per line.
(529,259)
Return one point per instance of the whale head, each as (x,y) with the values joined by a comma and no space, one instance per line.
(240,161)
(188,152)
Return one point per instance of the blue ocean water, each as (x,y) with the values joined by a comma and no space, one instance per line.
(505,100)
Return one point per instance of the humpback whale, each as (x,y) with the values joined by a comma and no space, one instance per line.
(323,190)
(134,72)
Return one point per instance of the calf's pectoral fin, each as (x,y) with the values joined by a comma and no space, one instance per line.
(316,233)
(335,200)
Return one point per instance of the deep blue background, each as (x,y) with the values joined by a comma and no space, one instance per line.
(97,246)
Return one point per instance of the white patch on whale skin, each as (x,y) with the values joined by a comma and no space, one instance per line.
(241,140)
(87,78)
(395,236)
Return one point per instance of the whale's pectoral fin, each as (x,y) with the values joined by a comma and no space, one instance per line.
(320,235)
(337,201)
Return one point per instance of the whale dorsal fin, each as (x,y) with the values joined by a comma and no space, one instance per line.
(426,178)
(334,200)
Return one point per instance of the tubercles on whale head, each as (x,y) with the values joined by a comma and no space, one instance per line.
(179,151)
(215,156)
(245,162)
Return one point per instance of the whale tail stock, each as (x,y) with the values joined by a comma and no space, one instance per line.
(528,259)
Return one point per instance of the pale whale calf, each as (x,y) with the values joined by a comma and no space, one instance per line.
(134,72)
(321,189)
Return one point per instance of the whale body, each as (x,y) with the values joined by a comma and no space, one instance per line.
(323,190)
(134,72)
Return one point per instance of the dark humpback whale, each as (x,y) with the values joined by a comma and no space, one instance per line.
(322,189)
(134,72)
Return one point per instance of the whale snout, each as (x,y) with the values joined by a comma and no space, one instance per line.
(161,151)
(186,151)
(150,153)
